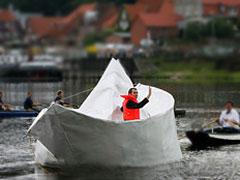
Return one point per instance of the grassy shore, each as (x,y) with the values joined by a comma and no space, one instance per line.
(194,71)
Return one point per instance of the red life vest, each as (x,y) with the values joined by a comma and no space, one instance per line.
(130,114)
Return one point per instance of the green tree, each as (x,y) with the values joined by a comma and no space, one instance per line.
(217,27)
(4,3)
(96,37)
(47,7)
(193,31)
(220,28)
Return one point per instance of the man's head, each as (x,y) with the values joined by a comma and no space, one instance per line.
(133,92)
(229,106)
(29,94)
(60,93)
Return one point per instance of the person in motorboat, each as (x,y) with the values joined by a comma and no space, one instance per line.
(60,99)
(229,117)
(28,104)
(3,106)
(130,106)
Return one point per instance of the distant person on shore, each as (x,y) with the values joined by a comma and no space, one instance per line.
(229,117)
(28,104)
(3,106)
(60,99)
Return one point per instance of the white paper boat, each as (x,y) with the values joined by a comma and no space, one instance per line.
(95,134)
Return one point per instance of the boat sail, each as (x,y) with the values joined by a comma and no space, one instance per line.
(95,134)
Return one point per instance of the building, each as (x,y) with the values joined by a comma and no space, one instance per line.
(156,26)
(86,19)
(227,8)
(188,9)
(142,6)
(62,28)
(10,28)
(108,15)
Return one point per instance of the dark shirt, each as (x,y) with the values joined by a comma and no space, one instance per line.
(132,105)
(28,103)
(59,100)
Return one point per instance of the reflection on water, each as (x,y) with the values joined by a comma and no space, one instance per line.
(15,153)
(201,103)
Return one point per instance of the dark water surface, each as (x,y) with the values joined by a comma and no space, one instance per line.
(202,102)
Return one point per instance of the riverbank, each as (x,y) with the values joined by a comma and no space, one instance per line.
(190,71)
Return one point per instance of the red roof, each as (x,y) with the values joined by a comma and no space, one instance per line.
(212,7)
(58,26)
(166,17)
(41,26)
(148,6)
(134,10)
(7,16)
(111,21)
(80,11)
(87,7)
(225,2)
(109,16)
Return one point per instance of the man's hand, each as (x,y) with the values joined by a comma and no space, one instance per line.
(149,92)
(233,122)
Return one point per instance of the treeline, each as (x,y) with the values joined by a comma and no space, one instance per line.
(52,7)
(218,28)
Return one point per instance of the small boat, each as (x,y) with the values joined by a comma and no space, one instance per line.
(96,134)
(17,113)
(217,136)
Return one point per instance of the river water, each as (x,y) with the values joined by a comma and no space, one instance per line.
(202,102)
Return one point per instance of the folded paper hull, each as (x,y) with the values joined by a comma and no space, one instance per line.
(96,135)
(75,140)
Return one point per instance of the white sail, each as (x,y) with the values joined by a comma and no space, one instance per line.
(95,134)
(104,101)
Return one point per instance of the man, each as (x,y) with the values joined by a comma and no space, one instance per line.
(229,117)
(3,106)
(131,106)
(28,104)
(60,98)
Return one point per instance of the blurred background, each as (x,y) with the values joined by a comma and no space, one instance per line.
(179,45)
(189,48)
